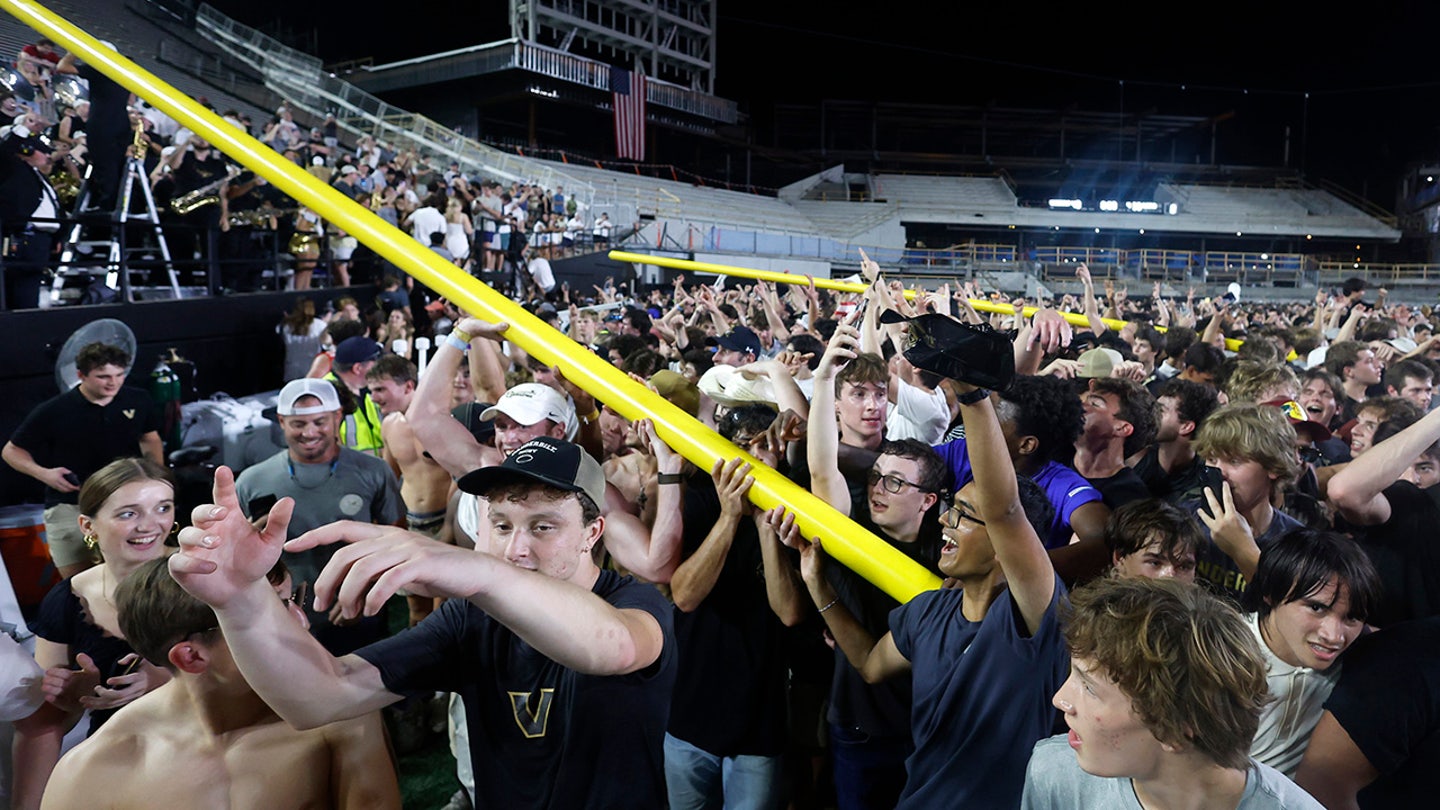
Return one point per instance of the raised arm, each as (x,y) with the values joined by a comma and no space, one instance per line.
(1017,548)
(1358,490)
(784,589)
(650,552)
(697,575)
(875,659)
(823,434)
(448,441)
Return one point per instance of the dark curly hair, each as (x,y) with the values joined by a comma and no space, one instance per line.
(1045,408)
(1136,407)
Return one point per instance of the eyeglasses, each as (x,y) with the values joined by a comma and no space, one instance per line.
(951,518)
(891,483)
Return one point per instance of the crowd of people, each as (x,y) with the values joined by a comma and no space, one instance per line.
(1180,568)
(225,227)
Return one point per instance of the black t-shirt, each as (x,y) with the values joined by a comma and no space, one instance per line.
(1183,484)
(1404,552)
(63,620)
(730,690)
(879,710)
(542,735)
(1388,701)
(71,431)
(1121,488)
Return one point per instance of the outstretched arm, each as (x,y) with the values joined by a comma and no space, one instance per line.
(563,621)
(222,561)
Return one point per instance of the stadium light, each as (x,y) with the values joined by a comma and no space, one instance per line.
(1172,209)
(1109,205)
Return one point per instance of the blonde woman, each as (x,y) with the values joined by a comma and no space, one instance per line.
(458,232)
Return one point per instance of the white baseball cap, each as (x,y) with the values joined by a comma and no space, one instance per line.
(528,403)
(308,387)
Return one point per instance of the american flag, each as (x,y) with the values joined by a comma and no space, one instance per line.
(627,91)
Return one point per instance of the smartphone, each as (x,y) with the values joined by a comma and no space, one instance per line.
(261,505)
(1212,480)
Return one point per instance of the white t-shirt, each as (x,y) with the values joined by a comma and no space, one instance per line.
(543,275)
(917,414)
(424,222)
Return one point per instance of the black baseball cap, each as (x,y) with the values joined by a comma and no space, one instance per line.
(553,462)
(469,415)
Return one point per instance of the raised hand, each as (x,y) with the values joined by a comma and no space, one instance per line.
(666,459)
(474,327)
(1050,330)
(222,554)
(1229,530)
(844,347)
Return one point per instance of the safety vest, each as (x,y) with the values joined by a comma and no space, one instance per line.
(360,430)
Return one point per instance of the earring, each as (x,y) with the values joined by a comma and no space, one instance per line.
(175,529)
(91,541)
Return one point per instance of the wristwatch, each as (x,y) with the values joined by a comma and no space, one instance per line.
(973,397)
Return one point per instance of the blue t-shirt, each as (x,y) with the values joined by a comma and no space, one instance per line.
(543,735)
(982,697)
(1067,490)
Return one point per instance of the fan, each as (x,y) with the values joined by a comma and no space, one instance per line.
(104,330)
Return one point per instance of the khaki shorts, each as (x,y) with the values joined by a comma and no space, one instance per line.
(64,538)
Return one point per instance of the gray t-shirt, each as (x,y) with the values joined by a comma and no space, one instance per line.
(357,486)
(1054,781)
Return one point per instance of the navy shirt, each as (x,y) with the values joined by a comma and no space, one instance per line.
(982,697)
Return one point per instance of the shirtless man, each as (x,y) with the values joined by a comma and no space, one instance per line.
(424,485)
(207,734)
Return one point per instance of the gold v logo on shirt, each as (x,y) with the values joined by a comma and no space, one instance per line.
(129,414)
(532,722)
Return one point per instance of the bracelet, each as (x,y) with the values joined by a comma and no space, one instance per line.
(461,335)
(972,397)
(830,605)
(462,345)
(670,478)
(590,418)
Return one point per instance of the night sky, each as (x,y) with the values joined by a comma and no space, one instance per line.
(1371,79)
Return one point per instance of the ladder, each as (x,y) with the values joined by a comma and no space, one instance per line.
(117,260)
